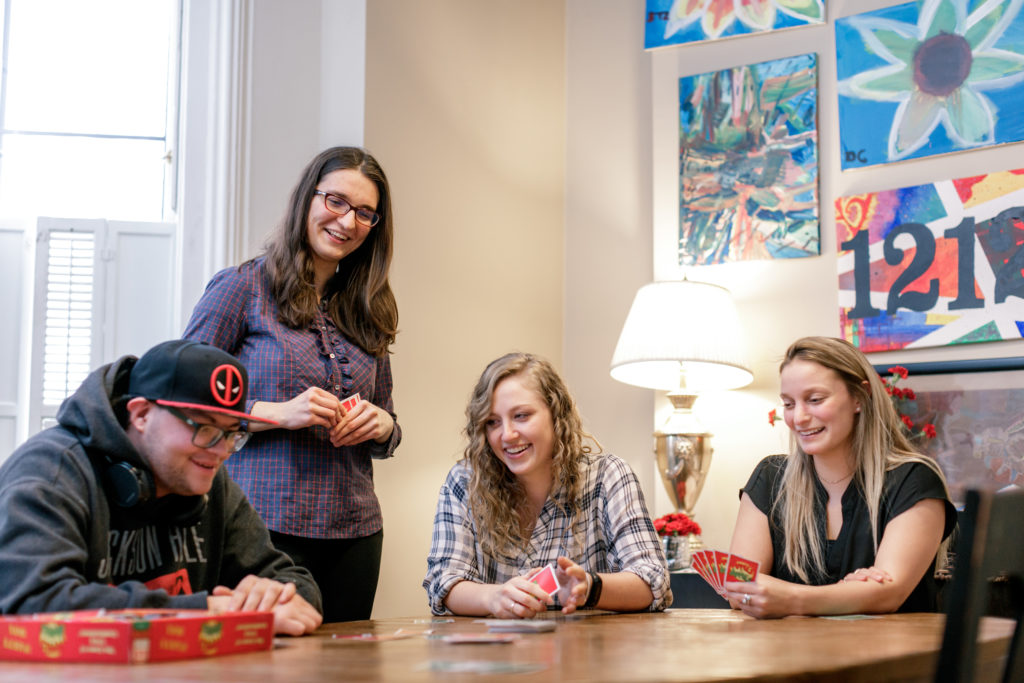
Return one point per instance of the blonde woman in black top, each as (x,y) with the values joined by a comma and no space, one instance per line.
(853,520)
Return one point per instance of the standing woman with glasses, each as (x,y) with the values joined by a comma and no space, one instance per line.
(312,319)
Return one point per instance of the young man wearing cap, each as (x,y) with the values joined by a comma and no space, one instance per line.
(124,503)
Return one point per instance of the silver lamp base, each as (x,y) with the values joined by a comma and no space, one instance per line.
(683,450)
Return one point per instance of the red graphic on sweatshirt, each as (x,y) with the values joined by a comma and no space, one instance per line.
(175,583)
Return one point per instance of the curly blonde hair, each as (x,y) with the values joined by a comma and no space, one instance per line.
(879,444)
(497,499)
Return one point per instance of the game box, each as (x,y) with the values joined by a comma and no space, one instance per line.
(132,635)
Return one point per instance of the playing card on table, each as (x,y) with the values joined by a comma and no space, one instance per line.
(350,402)
(480,638)
(518,625)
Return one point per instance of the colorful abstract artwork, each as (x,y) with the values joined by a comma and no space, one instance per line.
(748,163)
(938,76)
(933,265)
(979,440)
(671,22)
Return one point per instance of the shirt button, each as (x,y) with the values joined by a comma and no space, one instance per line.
(332,355)
(337,387)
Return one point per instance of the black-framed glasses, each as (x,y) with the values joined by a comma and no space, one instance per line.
(207,435)
(337,204)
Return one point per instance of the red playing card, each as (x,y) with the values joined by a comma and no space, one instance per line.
(350,402)
(547,579)
(702,565)
(740,569)
(699,563)
(721,565)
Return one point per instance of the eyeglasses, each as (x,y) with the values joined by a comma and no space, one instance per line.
(340,206)
(207,435)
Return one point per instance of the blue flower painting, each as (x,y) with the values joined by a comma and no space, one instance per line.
(943,75)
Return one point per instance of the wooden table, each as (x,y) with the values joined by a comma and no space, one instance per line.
(678,645)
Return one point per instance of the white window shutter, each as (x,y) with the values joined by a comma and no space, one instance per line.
(103,289)
(139,260)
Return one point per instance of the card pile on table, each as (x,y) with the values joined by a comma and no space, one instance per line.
(717,567)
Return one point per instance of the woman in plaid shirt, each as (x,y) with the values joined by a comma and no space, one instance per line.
(312,320)
(530,491)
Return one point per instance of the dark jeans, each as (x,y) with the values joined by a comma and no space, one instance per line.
(346,569)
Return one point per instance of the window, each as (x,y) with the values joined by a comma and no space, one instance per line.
(87,105)
(88,112)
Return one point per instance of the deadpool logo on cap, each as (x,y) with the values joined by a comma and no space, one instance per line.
(226,384)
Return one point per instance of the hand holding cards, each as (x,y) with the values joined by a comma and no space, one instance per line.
(717,567)
(547,579)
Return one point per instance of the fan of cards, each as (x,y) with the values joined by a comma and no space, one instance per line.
(717,567)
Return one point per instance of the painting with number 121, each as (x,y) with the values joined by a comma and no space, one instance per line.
(933,265)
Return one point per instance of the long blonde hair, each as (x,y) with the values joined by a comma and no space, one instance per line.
(879,444)
(497,499)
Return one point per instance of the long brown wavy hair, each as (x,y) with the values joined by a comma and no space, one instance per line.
(359,297)
(497,500)
(879,444)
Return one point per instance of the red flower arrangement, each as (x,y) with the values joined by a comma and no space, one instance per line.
(676,524)
(897,394)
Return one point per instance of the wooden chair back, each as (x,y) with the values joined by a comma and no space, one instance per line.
(991,544)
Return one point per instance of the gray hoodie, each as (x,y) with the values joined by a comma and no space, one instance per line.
(64,545)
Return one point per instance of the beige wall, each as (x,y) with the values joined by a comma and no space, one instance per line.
(465,111)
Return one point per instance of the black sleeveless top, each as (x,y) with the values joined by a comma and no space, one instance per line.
(904,487)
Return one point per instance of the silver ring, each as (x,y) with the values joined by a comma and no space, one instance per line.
(746,599)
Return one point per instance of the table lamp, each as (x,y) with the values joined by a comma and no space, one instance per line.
(682,337)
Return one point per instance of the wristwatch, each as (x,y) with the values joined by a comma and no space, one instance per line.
(595,591)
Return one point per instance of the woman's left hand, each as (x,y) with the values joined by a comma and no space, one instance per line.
(363,422)
(764,598)
(575,585)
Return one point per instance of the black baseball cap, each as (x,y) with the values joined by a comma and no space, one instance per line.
(188,374)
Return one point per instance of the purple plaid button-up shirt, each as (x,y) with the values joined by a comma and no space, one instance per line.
(298,482)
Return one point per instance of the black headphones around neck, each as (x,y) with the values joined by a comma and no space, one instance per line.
(127,484)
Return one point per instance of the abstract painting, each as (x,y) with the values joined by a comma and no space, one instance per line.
(979,425)
(939,75)
(671,22)
(748,163)
(933,265)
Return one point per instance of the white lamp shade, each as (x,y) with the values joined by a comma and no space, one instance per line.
(682,330)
